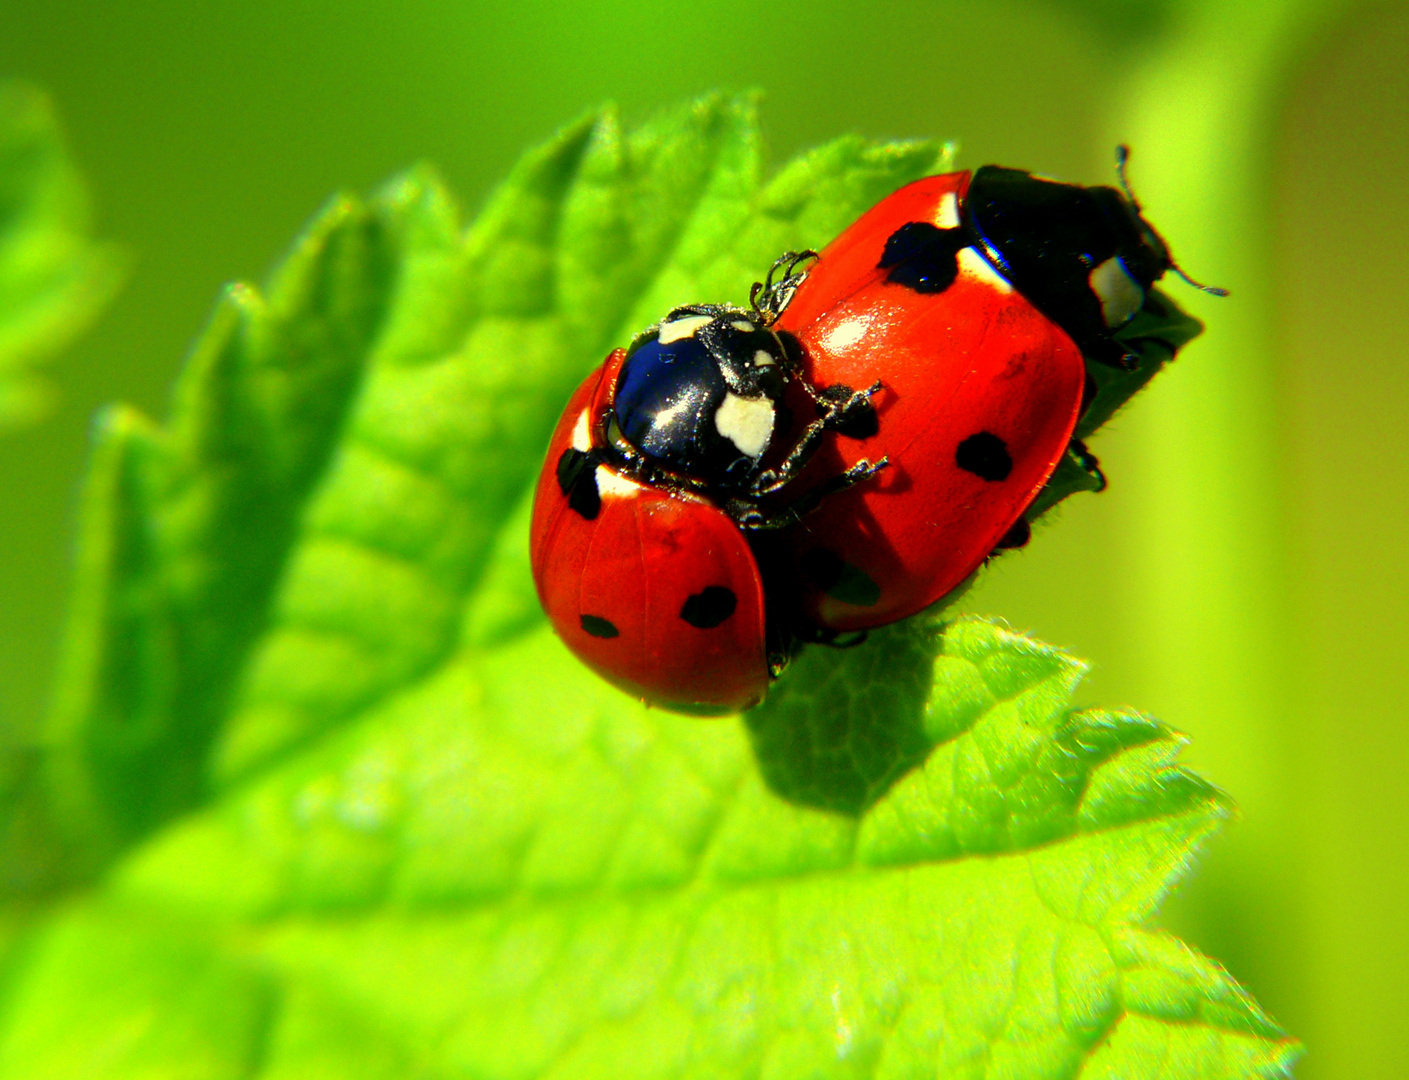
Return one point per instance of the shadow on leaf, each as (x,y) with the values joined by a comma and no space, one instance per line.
(842,725)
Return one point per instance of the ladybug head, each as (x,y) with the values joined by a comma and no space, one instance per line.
(1140,250)
(698,394)
(1084,256)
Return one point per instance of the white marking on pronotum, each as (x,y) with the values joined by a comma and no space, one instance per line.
(946,214)
(743,326)
(1119,293)
(614,484)
(582,433)
(845,334)
(975,265)
(683,327)
(746,422)
(762,359)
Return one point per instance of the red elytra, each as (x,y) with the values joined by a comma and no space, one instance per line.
(981,393)
(622,586)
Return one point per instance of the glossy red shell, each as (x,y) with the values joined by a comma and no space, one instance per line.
(634,566)
(976,357)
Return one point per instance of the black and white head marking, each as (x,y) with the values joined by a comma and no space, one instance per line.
(1121,296)
(747,422)
(697,395)
(1083,256)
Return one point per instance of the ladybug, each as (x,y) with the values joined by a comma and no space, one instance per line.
(978,299)
(664,458)
(718,492)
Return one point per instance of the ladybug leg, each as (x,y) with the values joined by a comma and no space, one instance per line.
(747,514)
(844,410)
(832,639)
(769,298)
(1087,461)
(1016,537)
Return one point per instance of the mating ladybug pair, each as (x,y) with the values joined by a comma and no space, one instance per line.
(844,452)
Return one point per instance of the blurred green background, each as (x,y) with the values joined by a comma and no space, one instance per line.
(1243,578)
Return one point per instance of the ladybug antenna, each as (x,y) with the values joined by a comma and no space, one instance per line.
(769,298)
(1122,156)
(1212,290)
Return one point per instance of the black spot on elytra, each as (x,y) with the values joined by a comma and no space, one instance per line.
(598,626)
(838,579)
(985,455)
(922,256)
(709,607)
(577,479)
(1016,537)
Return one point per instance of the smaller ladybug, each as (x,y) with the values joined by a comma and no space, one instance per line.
(663,459)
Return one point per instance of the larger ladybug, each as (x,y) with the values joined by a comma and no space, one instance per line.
(977,299)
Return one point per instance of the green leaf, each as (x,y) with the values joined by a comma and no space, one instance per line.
(503,874)
(359,814)
(53,278)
